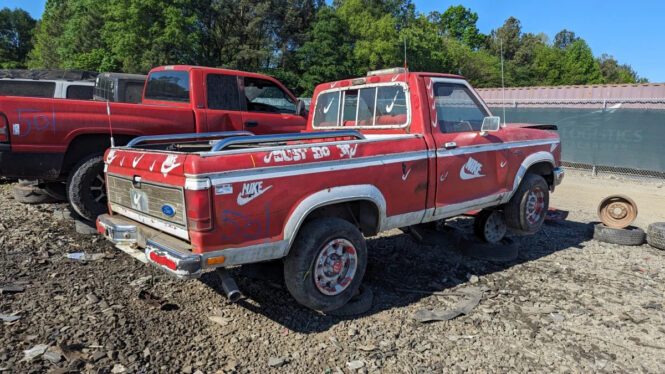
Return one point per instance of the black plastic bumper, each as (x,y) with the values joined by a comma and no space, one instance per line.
(29,165)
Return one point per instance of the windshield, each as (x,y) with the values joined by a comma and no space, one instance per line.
(168,86)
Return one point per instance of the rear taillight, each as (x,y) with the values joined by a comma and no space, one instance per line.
(199,209)
(4,129)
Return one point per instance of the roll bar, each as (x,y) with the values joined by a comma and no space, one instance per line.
(284,138)
(173,137)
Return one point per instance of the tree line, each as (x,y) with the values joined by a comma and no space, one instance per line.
(300,42)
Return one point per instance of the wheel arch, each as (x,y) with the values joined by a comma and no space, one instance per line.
(541,163)
(86,144)
(362,205)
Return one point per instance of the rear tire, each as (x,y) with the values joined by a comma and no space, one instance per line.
(326,264)
(525,213)
(86,187)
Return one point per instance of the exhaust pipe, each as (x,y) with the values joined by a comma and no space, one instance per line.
(229,285)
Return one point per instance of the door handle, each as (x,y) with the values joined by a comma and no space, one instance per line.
(450,145)
(251,123)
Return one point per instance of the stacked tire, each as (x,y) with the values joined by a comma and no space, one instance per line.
(656,235)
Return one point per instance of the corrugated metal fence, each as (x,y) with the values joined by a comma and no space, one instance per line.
(603,128)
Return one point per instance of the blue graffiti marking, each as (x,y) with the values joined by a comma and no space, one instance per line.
(252,228)
(39,121)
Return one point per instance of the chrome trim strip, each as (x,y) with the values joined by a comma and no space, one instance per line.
(493,147)
(167,227)
(269,172)
(248,255)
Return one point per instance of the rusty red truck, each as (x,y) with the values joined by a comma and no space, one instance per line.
(389,150)
(61,141)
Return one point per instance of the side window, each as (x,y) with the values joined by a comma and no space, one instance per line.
(390,106)
(265,96)
(457,109)
(79,92)
(27,88)
(223,92)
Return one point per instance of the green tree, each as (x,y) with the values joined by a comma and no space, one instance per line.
(506,37)
(564,39)
(579,66)
(612,72)
(47,35)
(459,23)
(327,55)
(15,37)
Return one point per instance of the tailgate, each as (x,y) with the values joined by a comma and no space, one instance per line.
(148,187)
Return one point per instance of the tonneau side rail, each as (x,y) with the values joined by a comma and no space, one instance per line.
(173,137)
(276,138)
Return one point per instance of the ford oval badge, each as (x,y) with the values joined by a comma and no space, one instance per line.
(168,210)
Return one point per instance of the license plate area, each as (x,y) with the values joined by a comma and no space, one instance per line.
(138,200)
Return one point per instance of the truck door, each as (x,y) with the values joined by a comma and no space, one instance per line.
(269,109)
(223,107)
(469,164)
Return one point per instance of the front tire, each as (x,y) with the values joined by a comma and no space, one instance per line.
(525,212)
(326,264)
(86,187)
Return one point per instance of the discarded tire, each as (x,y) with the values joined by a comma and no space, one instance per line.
(28,193)
(57,190)
(358,304)
(656,235)
(628,236)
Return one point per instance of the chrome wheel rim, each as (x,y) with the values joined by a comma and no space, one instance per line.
(535,205)
(335,267)
(495,227)
(98,188)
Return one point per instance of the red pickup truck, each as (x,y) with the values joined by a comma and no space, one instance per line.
(59,140)
(389,150)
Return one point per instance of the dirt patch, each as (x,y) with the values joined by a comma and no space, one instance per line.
(567,303)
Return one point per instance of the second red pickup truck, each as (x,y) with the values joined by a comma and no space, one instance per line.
(389,150)
(62,141)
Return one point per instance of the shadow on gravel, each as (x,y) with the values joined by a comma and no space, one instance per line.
(400,271)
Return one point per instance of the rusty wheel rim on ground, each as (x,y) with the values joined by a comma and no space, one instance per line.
(617,211)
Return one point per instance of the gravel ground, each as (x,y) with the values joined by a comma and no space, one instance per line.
(566,304)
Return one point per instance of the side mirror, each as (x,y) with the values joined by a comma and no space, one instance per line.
(490,124)
(300,108)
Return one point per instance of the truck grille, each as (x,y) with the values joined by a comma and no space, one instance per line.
(164,203)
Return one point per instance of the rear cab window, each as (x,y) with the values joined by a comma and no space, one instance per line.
(168,86)
(378,106)
(27,88)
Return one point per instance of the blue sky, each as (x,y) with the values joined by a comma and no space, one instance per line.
(631,31)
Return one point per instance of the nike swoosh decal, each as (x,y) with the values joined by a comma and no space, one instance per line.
(332,85)
(136,161)
(244,200)
(443,177)
(553,147)
(326,109)
(395,77)
(503,163)
(389,108)
(433,106)
(406,175)
(466,176)
(429,84)
(168,168)
(153,165)
(122,161)
(137,199)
